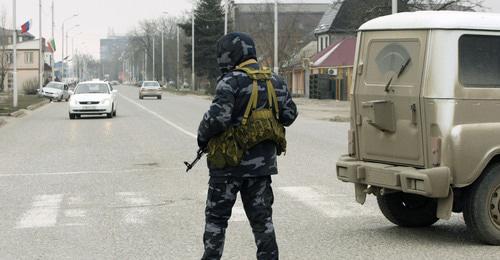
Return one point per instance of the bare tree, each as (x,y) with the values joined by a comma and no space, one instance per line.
(4,53)
(462,5)
(140,42)
(295,31)
(437,5)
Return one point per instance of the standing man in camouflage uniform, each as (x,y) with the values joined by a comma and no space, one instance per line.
(252,178)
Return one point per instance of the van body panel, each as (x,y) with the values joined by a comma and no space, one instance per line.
(387,97)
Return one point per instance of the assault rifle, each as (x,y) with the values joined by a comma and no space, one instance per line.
(199,154)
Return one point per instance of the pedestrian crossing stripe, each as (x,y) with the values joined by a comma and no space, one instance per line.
(49,210)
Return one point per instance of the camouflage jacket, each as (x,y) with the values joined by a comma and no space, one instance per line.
(231,98)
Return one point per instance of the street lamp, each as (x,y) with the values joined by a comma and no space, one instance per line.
(62,41)
(162,53)
(62,76)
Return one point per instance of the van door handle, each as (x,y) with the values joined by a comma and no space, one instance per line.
(413,108)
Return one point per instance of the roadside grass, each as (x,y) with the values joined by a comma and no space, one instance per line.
(23,102)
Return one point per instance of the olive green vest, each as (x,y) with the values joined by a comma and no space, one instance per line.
(257,125)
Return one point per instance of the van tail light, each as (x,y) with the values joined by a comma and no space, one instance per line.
(436,150)
(351,142)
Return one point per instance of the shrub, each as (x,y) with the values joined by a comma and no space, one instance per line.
(31,86)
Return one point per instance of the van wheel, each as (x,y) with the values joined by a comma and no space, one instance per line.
(72,116)
(482,206)
(408,210)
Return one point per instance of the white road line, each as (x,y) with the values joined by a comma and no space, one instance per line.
(172,124)
(134,215)
(90,172)
(330,206)
(43,212)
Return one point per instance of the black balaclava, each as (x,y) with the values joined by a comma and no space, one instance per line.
(233,49)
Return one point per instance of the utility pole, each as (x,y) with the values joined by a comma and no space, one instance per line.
(146,64)
(226,10)
(154,68)
(62,40)
(62,51)
(162,52)
(276,66)
(162,59)
(41,58)
(178,59)
(192,53)
(394,6)
(14,57)
(52,59)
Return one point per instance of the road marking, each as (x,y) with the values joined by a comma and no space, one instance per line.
(90,172)
(43,212)
(136,213)
(172,124)
(330,205)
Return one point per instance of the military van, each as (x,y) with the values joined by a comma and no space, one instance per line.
(425,126)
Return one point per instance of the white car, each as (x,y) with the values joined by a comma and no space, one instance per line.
(56,90)
(93,98)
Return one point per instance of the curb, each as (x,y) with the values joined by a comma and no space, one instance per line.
(18,113)
(341,119)
(38,105)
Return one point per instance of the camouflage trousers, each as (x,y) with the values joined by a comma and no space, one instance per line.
(257,197)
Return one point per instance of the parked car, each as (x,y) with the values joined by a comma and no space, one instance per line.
(150,89)
(114,83)
(425,130)
(93,98)
(56,91)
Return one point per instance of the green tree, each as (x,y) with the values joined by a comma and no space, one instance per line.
(208,28)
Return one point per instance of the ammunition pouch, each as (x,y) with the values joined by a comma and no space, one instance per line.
(257,126)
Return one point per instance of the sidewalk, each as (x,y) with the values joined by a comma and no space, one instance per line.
(324,109)
(320,109)
(21,112)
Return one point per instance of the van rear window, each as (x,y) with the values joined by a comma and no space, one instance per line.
(386,58)
(479,57)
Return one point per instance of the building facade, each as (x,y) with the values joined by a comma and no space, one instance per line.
(111,49)
(28,63)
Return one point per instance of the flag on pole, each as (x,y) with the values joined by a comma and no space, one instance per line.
(52,45)
(26,26)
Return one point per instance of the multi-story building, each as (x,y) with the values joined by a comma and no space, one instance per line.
(6,37)
(28,63)
(111,50)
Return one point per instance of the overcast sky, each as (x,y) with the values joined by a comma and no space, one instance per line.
(96,17)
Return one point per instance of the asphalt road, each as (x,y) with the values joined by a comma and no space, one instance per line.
(100,188)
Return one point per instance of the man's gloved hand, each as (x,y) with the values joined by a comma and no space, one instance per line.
(202,144)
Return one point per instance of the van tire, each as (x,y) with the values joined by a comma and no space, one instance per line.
(482,205)
(72,116)
(408,210)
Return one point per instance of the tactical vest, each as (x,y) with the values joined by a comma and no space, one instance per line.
(257,125)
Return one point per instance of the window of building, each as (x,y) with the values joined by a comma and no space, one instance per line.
(10,40)
(28,57)
(10,59)
(10,80)
(479,61)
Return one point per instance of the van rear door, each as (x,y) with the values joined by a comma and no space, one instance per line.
(387,96)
